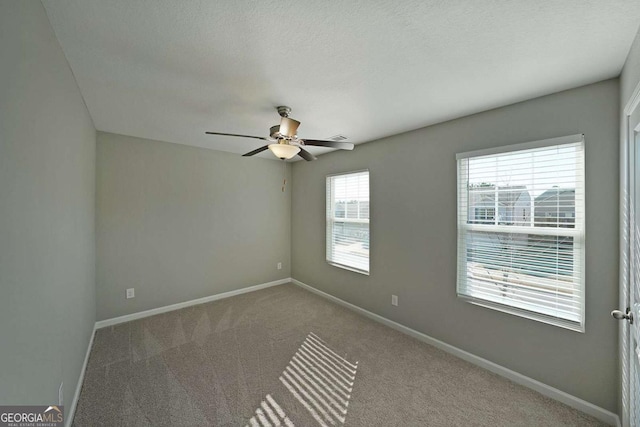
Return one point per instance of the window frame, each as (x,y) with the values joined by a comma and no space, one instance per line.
(331,220)
(466,224)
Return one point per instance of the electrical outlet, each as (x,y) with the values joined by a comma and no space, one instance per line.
(131,293)
(394,300)
(279,266)
(61,394)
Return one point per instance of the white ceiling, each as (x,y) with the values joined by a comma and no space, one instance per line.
(172,69)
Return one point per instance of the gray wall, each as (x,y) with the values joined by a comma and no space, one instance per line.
(47,189)
(178,223)
(631,72)
(413,238)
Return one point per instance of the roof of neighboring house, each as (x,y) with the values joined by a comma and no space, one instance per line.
(556,192)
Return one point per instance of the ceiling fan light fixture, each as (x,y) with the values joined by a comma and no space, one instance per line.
(284,151)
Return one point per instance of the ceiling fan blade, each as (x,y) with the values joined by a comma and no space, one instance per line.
(306,155)
(234,134)
(331,144)
(256,151)
(288,127)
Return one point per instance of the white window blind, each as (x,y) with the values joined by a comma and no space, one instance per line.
(348,221)
(521,230)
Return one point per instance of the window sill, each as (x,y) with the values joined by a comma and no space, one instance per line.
(539,317)
(346,267)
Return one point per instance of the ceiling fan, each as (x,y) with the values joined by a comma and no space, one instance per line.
(284,141)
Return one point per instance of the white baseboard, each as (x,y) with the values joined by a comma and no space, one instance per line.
(166,308)
(544,389)
(74,403)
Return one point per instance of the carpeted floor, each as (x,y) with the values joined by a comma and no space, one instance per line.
(283,356)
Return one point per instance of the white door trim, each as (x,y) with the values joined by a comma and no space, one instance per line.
(626,156)
(632,103)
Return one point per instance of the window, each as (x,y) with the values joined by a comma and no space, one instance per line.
(521,230)
(348,221)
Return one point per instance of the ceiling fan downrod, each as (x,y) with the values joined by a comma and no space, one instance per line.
(284,111)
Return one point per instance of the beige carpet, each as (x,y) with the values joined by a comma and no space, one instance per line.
(282,357)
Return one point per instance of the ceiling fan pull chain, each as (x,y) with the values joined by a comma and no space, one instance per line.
(284,176)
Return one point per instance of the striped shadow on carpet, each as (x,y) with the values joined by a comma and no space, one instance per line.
(320,379)
(270,413)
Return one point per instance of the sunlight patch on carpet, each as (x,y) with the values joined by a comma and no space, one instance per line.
(321,380)
(269,414)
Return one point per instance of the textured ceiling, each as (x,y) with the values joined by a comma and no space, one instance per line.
(172,69)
